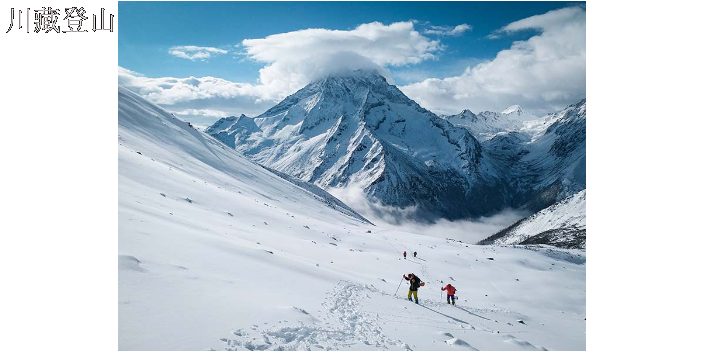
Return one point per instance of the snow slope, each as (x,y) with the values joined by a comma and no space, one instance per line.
(562,224)
(215,252)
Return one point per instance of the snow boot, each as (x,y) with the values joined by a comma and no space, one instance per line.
(416,301)
(410,299)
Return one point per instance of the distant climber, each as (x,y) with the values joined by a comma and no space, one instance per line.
(450,293)
(415,254)
(404,254)
(416,282)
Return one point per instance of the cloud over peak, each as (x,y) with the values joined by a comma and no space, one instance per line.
(395,44)
(294,59)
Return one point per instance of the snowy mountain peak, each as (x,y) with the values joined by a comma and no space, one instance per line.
(517,113)
(361,74)
(513,110)
(326,98)
(488,124)
(355,82)
(349,79)
(233,122)
(581,106)
(466,114)
(357,129)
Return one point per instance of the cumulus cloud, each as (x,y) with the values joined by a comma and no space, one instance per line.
(395,44)
(406,219)
(192,52)
(295,58)
(201,100)
(449,30)
(171,91)
(544,73)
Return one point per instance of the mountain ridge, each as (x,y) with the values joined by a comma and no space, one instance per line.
(358,130)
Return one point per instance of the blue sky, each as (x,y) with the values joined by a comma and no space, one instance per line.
(151,32)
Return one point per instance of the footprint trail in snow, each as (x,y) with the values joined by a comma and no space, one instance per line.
(344,326)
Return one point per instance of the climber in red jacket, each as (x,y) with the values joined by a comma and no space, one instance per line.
(450,293)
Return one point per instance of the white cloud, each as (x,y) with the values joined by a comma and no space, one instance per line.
(394,44)
(203,112)
(405,219)
(171,91)
(192,52)
(556,19)
(544,73)
(449,30)
(200,100)
(295,58)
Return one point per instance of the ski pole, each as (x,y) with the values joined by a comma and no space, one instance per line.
(399,286)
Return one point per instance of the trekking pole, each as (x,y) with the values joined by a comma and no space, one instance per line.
(399,286)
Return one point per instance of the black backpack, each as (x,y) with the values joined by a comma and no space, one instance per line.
(420,282)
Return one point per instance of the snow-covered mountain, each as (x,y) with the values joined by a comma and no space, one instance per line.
(482,126)
(543,159)
(240,127)
(563,224)
(356,129)
(556,160)
(216,252)
(516,112)
(488,124)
